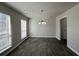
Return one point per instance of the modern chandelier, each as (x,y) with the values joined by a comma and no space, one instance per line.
(42,21)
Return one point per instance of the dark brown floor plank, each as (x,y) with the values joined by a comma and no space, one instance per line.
(42,47)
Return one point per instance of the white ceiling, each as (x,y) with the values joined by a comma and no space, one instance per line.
(33,9)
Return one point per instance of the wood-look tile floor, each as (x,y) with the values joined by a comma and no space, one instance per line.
(42,47)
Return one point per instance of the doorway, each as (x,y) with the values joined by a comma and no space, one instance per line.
(63,30)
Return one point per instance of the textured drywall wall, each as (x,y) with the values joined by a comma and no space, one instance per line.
(43,30)
(72,27)
(15,23)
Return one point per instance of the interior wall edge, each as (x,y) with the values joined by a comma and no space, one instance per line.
(44,36)
(16,32)
(58,38)
(5,53)
(73,50)
(13,9)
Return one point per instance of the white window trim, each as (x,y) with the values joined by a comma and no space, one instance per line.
(9,33)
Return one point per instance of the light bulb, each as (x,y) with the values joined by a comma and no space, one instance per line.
(43,22)
(39,23)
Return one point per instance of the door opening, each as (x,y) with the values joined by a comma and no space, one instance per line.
(63,30)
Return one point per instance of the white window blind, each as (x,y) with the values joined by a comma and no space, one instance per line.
(23,29)
(5,32)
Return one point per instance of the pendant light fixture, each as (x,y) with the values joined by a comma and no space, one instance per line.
(42,21)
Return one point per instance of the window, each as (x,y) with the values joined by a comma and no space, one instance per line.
(5,32)
(23,29)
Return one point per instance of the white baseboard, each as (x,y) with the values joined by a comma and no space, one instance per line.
(73,50)
(44,36)
(17,45)
(58,38)
(5,48)
(14,47)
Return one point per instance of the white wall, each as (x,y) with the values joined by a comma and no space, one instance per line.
(72,27)
(15,25)
(38,30)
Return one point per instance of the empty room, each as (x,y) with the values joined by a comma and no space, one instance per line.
(39,28)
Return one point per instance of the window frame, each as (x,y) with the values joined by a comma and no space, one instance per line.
(8,32)
(23,30)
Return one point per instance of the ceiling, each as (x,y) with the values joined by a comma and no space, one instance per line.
(33,9)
